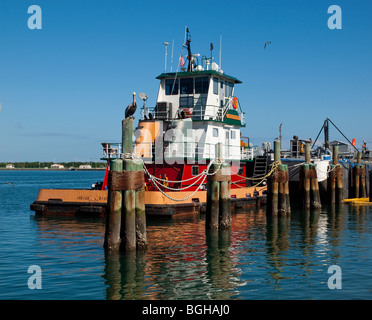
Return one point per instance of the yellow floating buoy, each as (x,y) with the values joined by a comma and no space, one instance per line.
(359,201)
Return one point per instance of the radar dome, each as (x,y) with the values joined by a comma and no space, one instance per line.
(214,66)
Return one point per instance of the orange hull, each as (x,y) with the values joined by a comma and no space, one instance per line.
(80,201)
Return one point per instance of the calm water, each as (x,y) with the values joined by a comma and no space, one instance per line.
(258,259)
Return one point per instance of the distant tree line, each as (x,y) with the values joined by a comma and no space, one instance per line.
(35,164)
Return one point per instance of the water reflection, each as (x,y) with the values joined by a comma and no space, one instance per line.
(125,275)
(219,264)
(277,245)
(309,223)
(183,261)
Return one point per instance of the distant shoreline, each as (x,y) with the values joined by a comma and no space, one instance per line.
(49,169)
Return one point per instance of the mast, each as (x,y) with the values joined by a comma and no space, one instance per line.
(326,134)
(189,56)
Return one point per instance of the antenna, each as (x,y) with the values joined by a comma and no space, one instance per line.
(144,97)
(172,55)
(166,46)
(220,51)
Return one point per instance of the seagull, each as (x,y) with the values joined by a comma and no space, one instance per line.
(266,43)
(131,109)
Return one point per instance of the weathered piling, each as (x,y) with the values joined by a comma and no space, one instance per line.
(370,185)
(359,178)
(314,186)
(309,186)
(113,222)
(225,197)
(213,200)
(218,214)
(278,187)
(305,182)
(127,135)
(272,194)
(335,181)
(140,209)
(134,212)
(284,207)
(129,208)
(126,227)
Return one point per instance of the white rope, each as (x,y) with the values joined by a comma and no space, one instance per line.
(169,188)
(153,179)
(171,198)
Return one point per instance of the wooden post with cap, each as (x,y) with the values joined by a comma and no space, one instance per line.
(218,213)
(113,218)
(127,218)
(278,187)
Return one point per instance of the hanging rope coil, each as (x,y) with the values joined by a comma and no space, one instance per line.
(157,181)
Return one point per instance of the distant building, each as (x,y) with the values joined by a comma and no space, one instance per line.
(57,166)
(85,166)
(10,166)
(345,150)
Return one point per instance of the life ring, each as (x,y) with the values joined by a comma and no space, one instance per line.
(235,103)
(186,113)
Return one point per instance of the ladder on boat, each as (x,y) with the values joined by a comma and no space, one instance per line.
(260,166)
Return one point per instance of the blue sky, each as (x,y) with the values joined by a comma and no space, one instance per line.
(64,88)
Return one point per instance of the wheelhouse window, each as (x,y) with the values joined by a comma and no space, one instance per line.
(171,86)
(233,134)
(201,85)
(228,89)
(186,86)
(215,85)
(215,132)
(195,170)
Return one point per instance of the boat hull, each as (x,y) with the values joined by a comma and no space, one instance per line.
(93,203)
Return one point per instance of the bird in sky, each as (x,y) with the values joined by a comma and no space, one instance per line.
(131,109)
(267,43)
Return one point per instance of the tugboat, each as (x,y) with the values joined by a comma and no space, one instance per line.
(197,118)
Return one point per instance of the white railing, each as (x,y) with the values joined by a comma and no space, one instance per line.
(111,150)
(193,150)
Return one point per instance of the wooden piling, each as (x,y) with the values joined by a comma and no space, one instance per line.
(218,214)
(335,181)
(362,181)
(113,219)
(129,212)
(359,178)
(278,187)
(277,151)
(140,209)
(309,185)
(283,190)
(127,135)
(356,181)
(126,222)
(225,198)
(213,200)
(370,185)
(272,194)
(339,185)
(305,187)
(314,186)
(307,152)
(331,186)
